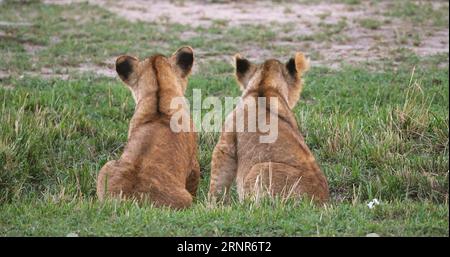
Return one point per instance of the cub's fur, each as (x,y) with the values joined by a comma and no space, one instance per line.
(157,165)
(285,167)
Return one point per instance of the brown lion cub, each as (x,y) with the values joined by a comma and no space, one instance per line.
(284,167)
(157,165)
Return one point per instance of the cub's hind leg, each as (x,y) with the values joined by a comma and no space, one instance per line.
(175,197)
(162,189)
(223,168)
(115,179)
(193,179)
(271,178)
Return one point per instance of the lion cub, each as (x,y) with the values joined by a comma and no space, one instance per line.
(157,165)
(284,167)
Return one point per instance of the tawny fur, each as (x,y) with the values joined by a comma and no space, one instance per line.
(157,166)
(286,167)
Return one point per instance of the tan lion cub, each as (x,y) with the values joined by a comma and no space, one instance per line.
(157,165)
(285,167)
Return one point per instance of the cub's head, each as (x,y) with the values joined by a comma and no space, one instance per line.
(272,78)
(145,78)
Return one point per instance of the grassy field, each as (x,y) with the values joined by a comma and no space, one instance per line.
(379,129)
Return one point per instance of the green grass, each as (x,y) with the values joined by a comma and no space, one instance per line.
(380,137)
(68,40)
(88,218)
(370,23)
(75,34)
(377,133)
(329,32)
(420,12)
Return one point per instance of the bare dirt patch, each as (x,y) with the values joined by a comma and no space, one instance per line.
(311,27)
(3,75)
(69,72)
(32,49)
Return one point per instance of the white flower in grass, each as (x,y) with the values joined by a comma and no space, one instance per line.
(373,203)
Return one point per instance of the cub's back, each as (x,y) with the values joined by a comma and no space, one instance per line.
(155,144)
(289,148)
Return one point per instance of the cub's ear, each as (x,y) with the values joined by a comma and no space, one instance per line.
(298,65)
(126,66)
(183,59)
(244,70)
